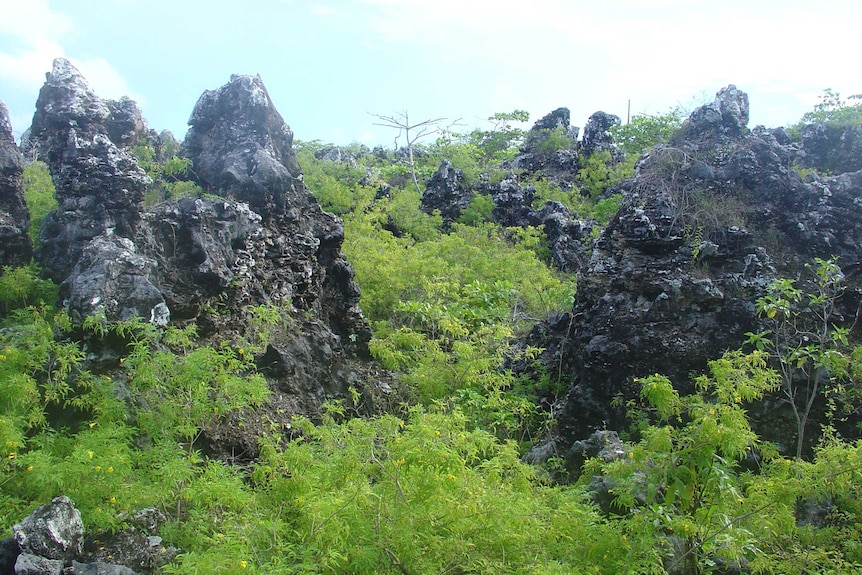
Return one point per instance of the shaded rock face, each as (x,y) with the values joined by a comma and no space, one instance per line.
(241,147)
(568,236)
(15,246)
(672,280)
(447,191)
(202,260)
(833,149)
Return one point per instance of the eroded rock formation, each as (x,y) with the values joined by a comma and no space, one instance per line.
(708,222)
(204,260)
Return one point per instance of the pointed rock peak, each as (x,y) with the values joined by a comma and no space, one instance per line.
(70,96)
(241,146)
(62,71)
(726,115)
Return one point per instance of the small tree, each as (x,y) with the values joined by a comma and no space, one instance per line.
(680,482)
(812,352)
(412,134)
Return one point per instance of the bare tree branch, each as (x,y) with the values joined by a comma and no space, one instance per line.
(412,133)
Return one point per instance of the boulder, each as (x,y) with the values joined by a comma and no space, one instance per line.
(53,531)
(29,564)
(15,246)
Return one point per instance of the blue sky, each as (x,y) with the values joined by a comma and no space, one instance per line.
(330,64)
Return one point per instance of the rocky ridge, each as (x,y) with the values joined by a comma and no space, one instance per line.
(709,221)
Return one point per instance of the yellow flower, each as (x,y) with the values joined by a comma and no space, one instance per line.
(437,433)
(243,564)
(97,468)
(90,454)
(29,468)
(113,500)
(110,469)
(451,477)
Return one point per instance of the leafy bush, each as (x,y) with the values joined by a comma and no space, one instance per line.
(39,194)
(645,131)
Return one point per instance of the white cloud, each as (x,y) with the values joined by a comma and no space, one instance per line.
(323,10)
(32,35)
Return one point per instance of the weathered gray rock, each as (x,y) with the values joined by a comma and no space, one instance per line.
(125,124)
(568,237)
(52,531)
(726,116)
(99,186)
(446,191)
(111,277)
(513,203)
(540,153)
(202,260)
(15,246)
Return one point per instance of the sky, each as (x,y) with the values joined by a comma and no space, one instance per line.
(330,66)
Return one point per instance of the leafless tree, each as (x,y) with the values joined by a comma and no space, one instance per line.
(412,134)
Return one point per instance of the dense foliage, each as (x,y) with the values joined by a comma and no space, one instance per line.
(436,484)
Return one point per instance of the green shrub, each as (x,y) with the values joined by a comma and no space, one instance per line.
(39,194)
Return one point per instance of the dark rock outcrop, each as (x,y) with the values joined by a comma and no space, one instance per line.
(569,238)
(15,246)
(832,148)
(446,191)
(549,148)
(597,135)
(203,260)
(672,280)
(513,203)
